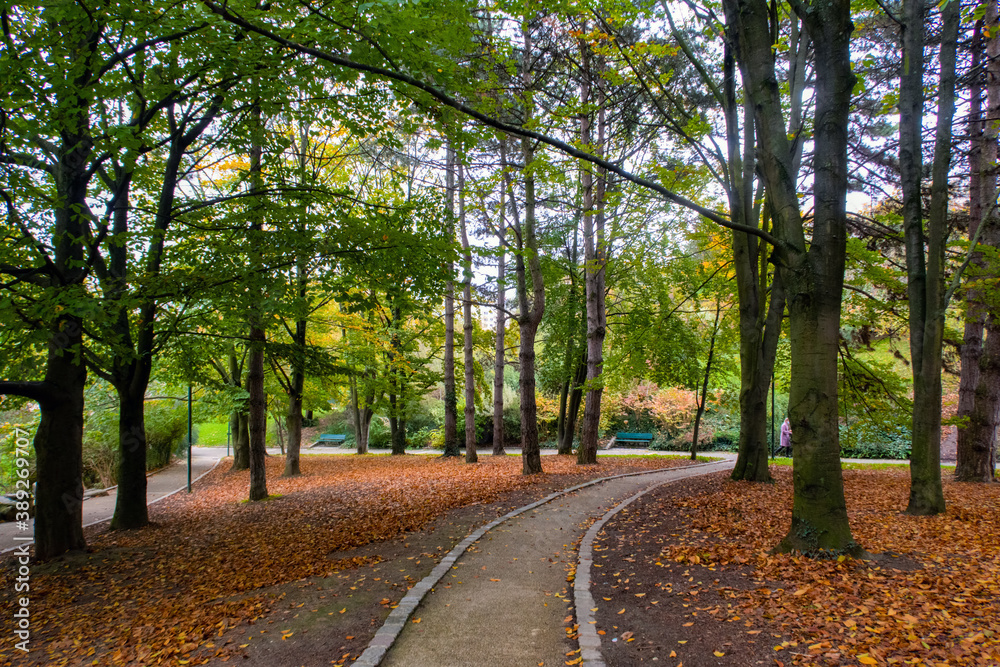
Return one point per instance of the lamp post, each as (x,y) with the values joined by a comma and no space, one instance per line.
(189,438)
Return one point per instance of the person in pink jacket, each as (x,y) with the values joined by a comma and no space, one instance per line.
(786,438)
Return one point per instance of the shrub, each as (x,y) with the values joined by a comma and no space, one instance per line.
(166,429)
(868,440)
(647,408)
(27,421)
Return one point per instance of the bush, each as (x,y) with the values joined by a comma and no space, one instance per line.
(647,408)
(867,440)
(27,421)
(166,429)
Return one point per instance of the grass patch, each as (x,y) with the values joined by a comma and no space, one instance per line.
(212,435)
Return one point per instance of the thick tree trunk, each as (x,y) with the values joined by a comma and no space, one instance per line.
(59,446)
(130,499)
(397,427)
(979,393)
(399,441)
(360,420)
(812,273)
(257,402)
(450,396)
(258,415)
(364,427)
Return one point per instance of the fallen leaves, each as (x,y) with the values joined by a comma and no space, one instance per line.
(202,567)
(931,596)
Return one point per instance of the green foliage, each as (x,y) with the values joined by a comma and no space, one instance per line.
(166,430)
(25,421)
(872,440)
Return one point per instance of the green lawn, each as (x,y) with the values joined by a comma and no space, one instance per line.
(214,435)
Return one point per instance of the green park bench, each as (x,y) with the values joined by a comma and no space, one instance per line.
(634,438)
(329,439)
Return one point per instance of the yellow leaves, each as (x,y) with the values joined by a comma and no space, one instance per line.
(866,659)
(718,654)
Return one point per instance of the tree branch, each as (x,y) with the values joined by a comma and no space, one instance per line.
(489,121)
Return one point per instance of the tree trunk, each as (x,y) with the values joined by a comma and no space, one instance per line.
(130,499)
(58,441)
(501,347)
(239,421)
(399,441)
(760,318)
(471,455)
(575,399)
(241,447)
(979,393)
(813,272)
(571,387)
(360,424)
(450,397)
(397,434)
(59,446)
(595,254)
(293,419)
(925,273)
(704,386)
(257,402)
(364,426)
(258,415)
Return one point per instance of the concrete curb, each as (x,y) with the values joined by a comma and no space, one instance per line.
(156,500)
(396,621)
(588,639)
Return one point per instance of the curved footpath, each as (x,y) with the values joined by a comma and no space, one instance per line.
(500,597)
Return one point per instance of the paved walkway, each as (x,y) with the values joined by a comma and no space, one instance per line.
(159,485)
(501,597)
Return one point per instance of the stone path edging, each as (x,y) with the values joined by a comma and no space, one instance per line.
(396,621)
(588,639)
(156,500)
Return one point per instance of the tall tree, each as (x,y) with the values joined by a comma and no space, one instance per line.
(450,396)
(979,388)
(595,250)
(813,270)
(925,272)
(500,349)
(471,456)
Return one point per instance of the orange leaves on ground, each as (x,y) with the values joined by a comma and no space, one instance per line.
(156,595)
(931,595)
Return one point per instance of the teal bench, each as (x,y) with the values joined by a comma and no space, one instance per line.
(636,438)
(330,439)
